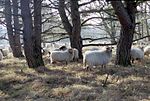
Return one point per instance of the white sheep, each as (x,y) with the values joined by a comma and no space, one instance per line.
(136,54)
(1,55)
(60,56)
(147,50)
(95,58)
(76,52)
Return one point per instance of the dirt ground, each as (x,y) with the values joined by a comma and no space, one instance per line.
(71,82)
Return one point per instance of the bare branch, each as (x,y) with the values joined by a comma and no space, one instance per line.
(99,44)
(86,3)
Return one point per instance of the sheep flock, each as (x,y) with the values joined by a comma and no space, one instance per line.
(92,57)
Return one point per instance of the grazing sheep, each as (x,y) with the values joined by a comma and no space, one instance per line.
(1,55)
(61,56)
(147,50)
(136,54)
(95,58)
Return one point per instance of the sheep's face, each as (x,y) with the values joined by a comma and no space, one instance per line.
(109,49)
(63,48)
(70,51)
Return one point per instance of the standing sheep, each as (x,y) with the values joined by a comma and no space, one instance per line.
(61,56)
(147,50)
(95,58)
(75,52)
(136,54)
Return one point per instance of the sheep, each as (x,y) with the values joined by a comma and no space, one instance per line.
(136,54)
(61,56)
(1,55)
(76,52)
(95,58)
(147,50)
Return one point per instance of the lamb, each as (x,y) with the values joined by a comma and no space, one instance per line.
(61,56)
(147,50)
(95,58)
(136,54)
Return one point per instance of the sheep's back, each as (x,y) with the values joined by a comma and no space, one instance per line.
(137,53)
(97,58)
(61,56)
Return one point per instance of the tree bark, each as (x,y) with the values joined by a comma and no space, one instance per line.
(29,37)
(75,37)
(37,32)
(127,21)
(14,40)
(18,52)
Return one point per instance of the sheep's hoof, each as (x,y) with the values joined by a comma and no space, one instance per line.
(87,68)
(53,62)
(84,67)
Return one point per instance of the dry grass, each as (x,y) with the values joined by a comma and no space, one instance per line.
(72,83)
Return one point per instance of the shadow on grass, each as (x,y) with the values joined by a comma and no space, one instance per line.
(72,83)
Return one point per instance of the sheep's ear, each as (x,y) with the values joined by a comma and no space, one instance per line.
(70,51)
(63,48)
(112,47)
(107,48)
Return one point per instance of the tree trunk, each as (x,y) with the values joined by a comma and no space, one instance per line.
(146,22)
(11,36)
(29,37)
(127,20)
(74,29)
(18,52)
(75,37)
(37,32)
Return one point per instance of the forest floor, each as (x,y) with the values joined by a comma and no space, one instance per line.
(71,82)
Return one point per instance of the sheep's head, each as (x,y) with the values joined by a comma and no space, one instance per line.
(109,49)
(63,48)
(70,51)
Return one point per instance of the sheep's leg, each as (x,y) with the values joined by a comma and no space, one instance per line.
(132,60)
(66,62)
(88,68)
(103,67)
